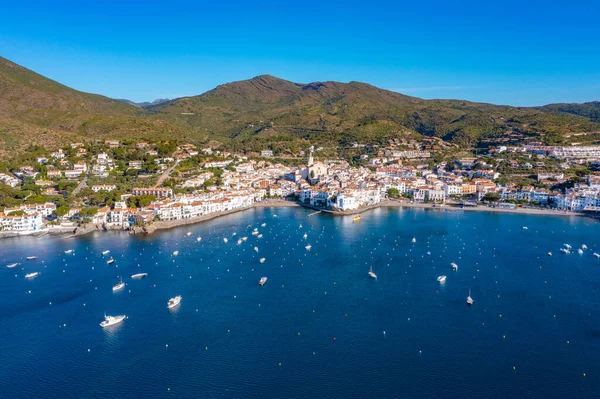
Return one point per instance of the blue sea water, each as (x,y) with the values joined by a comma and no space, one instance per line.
(319,327)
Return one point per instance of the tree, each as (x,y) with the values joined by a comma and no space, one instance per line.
(393,193)
(61,211)
(491,197)
(88,212)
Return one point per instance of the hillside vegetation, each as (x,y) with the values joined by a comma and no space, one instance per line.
(268,112)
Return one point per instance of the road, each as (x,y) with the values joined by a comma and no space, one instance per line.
(165,175)
(82,184)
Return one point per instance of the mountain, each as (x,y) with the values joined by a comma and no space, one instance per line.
(256,110)
(145,103)
(37,110)
(589,110)
(266,111)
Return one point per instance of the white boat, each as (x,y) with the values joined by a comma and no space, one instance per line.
(175,253)
(567,246)
(32,275)
(32,257)
(414,239)
(263,225)
(308,247)
(69,251)
(525,227)
(596,254)
(244,239)
(580,251)
(549,253)
(112,320)
(174,302)
(199,239)
(139,275)
(225,240)
(584,246)
(255,233)
(262,281)
(305,236)
(234,234)
(262,260)
(119,286)
(428,253)
(259,236)
(372,273)
(189,233)
(441,279)
(469,299)
(12,265)
(454,266)
(256,249)
(105,252)
(239,241)
(111,260)
(565,251)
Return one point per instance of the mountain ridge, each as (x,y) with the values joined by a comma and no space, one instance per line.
(266,111)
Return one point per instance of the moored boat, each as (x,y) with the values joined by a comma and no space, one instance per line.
(111,260)
(105,252)
(12,265)
(441,279)
(32,275)
(112,320)
(175,253)
(356,218)
(372,273)
(469,299)
(454,266)
(262,260)
(262,281)
(31,257)
(139,275)
(174,301)
(69,251)
(119,286)
(308,247)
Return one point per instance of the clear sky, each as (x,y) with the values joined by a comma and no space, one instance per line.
(526,52)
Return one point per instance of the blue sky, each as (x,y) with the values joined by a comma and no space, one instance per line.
(514,52)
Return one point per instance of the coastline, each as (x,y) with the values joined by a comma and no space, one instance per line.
(165,225)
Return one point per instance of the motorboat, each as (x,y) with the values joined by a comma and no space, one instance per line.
(259,236)
(441,279)
(263,225)
(262,260)
(225,240)
(174,302)
(414,239)
(308,247)
(596,254)
(356,218)
(580,251)
(256,249)
(244,239)
(68,251)
(565,251)
(189,233)
(549,253)
(584,246)
(111,260)
(262,281)
(199,239)
(112,320)
(175,253)
(454,266)
(139,275)
(567,246)
(105,252)
(372,273)
(12,265)
(469,299)
(31,257)
(239,241)
(119,286)
(32,275)
(305,236)
(525,227)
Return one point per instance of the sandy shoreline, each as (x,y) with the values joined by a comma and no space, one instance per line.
(165,225)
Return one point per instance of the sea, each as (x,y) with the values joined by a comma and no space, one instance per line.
(320,327)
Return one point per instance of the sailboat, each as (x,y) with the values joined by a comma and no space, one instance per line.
(119,286)
(469,299)
(372,273)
